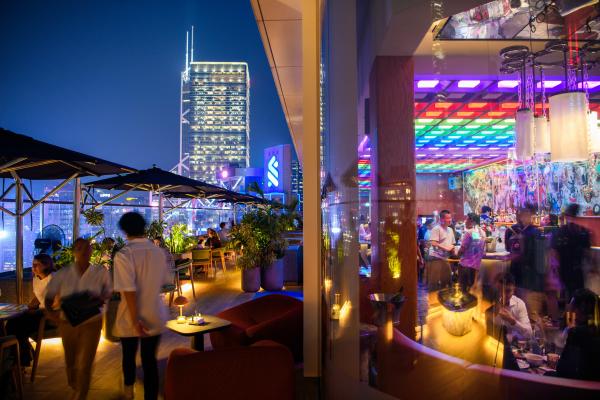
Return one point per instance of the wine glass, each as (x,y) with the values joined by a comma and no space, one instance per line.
(540,338)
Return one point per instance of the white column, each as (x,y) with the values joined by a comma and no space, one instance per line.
(311,48)
(160,207)
(19,238)
(341,369)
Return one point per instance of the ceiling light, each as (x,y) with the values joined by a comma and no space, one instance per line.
(508,84)
(428,84)
(549,84)
(468,84)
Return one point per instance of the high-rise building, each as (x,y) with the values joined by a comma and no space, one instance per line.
(215,123)
(297,185)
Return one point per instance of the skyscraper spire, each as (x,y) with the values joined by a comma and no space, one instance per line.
(187,33)
(192,52)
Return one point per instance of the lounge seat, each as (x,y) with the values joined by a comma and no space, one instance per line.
(263,371)
(273,317)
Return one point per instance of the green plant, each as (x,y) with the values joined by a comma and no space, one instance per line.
(178,241)
(95,218)
(156,229)
(259,236)
(63,257)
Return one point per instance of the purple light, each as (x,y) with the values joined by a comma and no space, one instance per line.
(549,84)
(428,84)
(224,174)
(590,84)
(468,84)
(508,84)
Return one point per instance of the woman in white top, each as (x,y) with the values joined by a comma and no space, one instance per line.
(22,327)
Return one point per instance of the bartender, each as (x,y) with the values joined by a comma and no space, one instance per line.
(442,241)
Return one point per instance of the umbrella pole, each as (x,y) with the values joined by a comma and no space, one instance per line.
(76,207)
(19,237)
(160,207)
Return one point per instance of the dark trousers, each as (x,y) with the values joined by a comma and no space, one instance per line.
(149,347)
(22,327)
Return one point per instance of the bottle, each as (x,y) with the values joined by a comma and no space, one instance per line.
(335,308)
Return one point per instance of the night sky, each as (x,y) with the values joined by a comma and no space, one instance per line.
(102,77)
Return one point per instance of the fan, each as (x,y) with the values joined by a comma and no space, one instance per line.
(49,240)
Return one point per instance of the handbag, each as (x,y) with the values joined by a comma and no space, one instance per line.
(79,307)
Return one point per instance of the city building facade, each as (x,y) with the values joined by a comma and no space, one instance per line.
(215,119)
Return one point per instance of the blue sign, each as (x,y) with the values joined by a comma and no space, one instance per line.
(273,172)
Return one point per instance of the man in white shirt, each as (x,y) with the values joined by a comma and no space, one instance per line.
(442,242)
(510,311)
(79,342)
(140,271)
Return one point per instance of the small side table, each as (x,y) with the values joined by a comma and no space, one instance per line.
(211,324)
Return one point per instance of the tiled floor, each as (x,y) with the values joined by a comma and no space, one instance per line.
(213,296)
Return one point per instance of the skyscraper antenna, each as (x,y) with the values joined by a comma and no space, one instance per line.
(187,33)
(192,59)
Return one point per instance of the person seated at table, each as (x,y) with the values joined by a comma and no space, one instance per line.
(580,358)
(223,232)
(213,241)
(509,312)
(23,326)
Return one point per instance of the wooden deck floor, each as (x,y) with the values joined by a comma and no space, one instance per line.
(213,296)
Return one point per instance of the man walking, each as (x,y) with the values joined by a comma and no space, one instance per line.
(140,271)
(91,285)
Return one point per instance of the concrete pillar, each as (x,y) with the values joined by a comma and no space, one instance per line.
(393,215)
(311,52)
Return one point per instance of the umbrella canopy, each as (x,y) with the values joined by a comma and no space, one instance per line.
(172,185)
(33,159)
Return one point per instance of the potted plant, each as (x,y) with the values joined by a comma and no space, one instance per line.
(178,241)
(259,238)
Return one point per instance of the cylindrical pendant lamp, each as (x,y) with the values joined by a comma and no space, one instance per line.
(569,127)
(542,135)
(593,132)
(524,130)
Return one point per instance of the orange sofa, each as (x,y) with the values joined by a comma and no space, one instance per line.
(273,317)
(263,371)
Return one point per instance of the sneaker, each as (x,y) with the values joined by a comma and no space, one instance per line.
(128,392)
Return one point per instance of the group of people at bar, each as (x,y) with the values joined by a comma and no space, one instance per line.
(544,285)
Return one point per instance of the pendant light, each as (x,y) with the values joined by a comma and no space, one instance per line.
(541,128)
(569,127)
(524,130)
(568,115)
(593,132)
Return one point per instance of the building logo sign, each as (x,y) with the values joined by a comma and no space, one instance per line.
(273,172)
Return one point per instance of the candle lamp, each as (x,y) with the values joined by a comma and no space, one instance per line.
(180,301)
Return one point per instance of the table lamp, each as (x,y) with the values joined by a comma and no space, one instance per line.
(180,301)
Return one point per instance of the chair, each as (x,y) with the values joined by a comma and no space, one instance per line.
(216,256)
(181,268)
(202,259)
(264,371)
(230,255)
(11,362)
(44,332)
(273,317)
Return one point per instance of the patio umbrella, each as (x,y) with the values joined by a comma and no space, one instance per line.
(22,157)
(170,185)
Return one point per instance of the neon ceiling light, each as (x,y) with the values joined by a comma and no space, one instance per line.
(508,84)
(428,84)
(549,84)
(468,84)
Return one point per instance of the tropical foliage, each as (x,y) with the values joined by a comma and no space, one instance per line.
(156,229)
(259,236)
(178,241)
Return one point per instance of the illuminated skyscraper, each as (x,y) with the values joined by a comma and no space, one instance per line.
(215,123)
